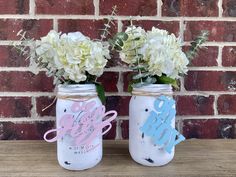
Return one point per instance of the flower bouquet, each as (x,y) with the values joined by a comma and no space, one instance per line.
(157,60)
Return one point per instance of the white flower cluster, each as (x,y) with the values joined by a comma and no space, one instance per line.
(161,52)
(72,55)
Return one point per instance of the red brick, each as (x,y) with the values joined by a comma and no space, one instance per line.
(15,81)
(24,130)
(118,103)
(171,26)
(209,80)
(194,105)
(227,128)
(229,56)
(34,28)
(81,7)
(218,30)
(129,7)
(193,8)
(124,125)
(89,28)
(206,57)
(109,81)
(229,8)
(15,107)
(43,102)
(10,57)
(111,135)
(227,104)
(204,129)
(14,6)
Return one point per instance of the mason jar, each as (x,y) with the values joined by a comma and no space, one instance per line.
(75,107)
(145,105)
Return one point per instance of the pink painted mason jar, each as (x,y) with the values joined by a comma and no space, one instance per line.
(74,101)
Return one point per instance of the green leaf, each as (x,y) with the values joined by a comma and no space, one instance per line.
(167,80)
(119,42)
(140,66)
(101,92)
(111,42)
(130,88)
(117,47)
(136,39)
(140,75)
(139,84)
(151,80)
(122,35)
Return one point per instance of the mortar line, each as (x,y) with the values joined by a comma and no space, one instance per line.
(119,26)
(120,118)
(214,44)
(220,9)
(177,93)
(93,17)
(208,44)
(159,8)
(14,69)
(32,8)
(181,29)
(120,83)
(206,117)
(215,104)
(212,68)
(119,69)
(27,94)
(118,130)
(182,88)
(33,110)
(55,24)
(219,58)
(96,8)
(28,119)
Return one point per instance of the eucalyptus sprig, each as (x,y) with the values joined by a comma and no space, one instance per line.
(107,26)
(196,45)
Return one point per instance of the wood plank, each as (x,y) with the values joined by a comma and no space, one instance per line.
(193,158)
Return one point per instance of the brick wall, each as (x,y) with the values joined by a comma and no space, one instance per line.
(206,102)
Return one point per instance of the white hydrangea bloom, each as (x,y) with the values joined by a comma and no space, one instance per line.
(161,52)
(164,55)
(97,62)
(73,54)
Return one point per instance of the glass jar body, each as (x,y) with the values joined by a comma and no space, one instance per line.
(142,105)
(73,103)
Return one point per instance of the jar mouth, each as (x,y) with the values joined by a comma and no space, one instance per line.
(154,88)
(76,88)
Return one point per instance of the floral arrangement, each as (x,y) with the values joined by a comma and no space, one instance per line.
(70,58)
(155,56)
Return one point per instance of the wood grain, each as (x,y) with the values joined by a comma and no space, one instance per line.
(193,158)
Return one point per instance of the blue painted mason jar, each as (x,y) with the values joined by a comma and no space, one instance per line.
(147,137)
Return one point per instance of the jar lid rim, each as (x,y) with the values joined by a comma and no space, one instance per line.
(154,88)
(75,85)
(72,88)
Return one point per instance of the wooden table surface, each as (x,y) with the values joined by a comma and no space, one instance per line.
(193,158)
